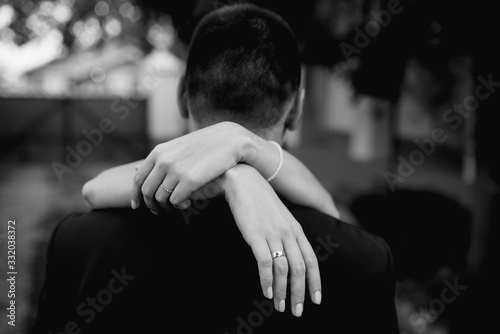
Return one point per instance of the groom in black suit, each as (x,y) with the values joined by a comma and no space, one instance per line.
(127,271)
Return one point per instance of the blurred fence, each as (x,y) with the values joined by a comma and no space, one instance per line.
(70,130)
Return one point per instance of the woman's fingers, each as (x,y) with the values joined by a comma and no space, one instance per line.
(276,263)
(312,269)
(188,183)
(150,186)
(260,250)
(165,190)
(297,270)
(162,196)
(141,174)
(280,274)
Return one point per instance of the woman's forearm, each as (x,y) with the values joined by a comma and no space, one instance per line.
(267,226)
(111,188)
(202,156)
(294,181)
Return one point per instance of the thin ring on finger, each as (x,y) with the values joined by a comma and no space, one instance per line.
(168,190)
(163,192)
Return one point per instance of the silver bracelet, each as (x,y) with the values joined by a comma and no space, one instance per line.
(279,164)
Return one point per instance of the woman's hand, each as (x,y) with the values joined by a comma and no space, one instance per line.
(175,169)
(267,226)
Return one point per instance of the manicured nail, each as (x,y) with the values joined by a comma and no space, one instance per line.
(270,293)
(317,297)
(298,309)
(133,204)
(281,306)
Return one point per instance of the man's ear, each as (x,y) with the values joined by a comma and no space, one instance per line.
(182,97)
(294,116)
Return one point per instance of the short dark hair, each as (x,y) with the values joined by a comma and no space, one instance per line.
(243,65)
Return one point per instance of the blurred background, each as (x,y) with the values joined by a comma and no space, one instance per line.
(400,124)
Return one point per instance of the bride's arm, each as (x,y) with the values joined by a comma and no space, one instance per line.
(191,161)
(265,222)
(111,188)
(294,180)
(244,190)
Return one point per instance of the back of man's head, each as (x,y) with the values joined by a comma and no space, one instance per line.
(243,66)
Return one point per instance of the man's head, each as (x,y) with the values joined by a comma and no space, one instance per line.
(243,66)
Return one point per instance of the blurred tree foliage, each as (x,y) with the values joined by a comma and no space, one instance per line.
(320,25)
(81,22)
(329,32)
(421,29)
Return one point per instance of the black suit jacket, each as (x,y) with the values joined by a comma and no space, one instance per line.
(126,271)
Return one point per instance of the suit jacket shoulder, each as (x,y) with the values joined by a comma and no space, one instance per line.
(125,270)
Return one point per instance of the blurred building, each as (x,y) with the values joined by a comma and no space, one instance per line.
(105,66)
(110,70)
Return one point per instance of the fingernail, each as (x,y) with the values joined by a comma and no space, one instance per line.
(154,212)
(317,297)
(298,309)
(281,306)
(133,204)
(270,293)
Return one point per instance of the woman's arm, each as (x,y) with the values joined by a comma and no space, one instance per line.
(111,188)
(268,229)
(294,181)
(245,189)
(187,163)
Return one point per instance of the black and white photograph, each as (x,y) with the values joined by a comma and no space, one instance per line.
(249,166)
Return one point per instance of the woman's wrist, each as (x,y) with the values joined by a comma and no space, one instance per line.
(244,143)
(262,155)
(237,180)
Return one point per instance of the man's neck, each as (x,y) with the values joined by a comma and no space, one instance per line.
(276,133)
